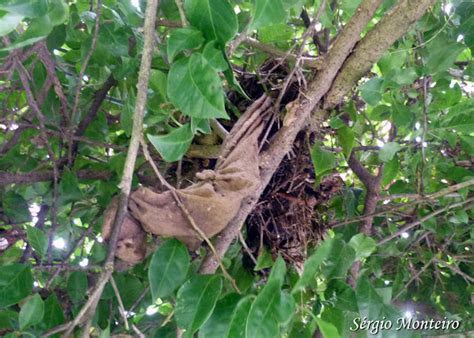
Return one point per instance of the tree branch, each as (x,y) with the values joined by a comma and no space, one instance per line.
(126,182)
(296,118)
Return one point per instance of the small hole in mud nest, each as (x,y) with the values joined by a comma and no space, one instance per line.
(288,217)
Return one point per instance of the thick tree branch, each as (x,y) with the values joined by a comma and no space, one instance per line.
(297,116)
(377,41)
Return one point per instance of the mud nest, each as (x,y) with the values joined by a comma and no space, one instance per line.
(288,218)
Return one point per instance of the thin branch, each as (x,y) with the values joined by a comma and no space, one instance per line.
(309,32)
(85,63)
(42,123)
(47,175)
(126,182)
(424,219)
(120,303)
(456,270)
(185,211)
(311,62)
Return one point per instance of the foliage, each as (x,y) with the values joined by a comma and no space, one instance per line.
(411,117)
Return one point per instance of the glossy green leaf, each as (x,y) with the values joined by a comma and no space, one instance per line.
(369,302)
(69,187)
(16,283)
(323,160)
(339,261)
(267,12)
(214,55)
(328,330)
(168,268)
(442,53)
(38,29)
(15,208)
(77,286)
(371,91)
(58,12)
(388,151)
(31,312)
(196,300)
(390,171)
(270,308)
(53,312)
(237,323)
(264,260)
(218,325)
(195,88)
(363,246)
(28,8)
(174,145)
(215,18)
(181,39)
(38,240)
(261,320)
(346,139)
(8,22)
(312,265)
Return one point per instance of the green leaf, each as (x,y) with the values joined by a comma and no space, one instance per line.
(339,261)
(32,312)
(28,8)
(388,151)
(16,283)
(371,91)
(442,52)
(77,286)
(390,170)
(328,330)
(181,39)
(267,12)
(261,321)
(323,161)
(215,18)
(8,22)
(312,265)
(264,260)
(278,271)
(405,76)
(158,83)
(215,56)
(15,207)
(369,302)
(37,30)
(38,240)
(239,318)
(53,314)
(168,268)
(271,307)
(217,326)
(58,12)
(69,188)
(174,145)
(346,138)
(196,300)
(465,10)
(363,246)
(195,88)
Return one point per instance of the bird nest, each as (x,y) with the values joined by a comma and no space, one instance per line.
(288,218)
